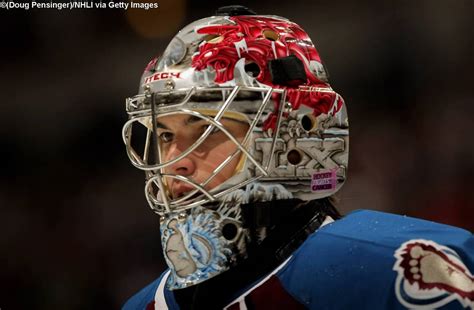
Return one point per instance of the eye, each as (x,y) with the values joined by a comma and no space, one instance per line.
(166,136)
(213,131)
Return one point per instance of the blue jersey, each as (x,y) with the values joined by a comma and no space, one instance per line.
(366,260)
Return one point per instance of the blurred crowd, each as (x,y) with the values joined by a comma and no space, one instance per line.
(76,231)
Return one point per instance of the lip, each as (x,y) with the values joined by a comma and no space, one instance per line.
(179,189)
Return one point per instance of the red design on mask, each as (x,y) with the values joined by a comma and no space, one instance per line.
(260,40)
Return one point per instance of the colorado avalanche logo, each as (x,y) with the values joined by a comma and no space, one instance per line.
(431,275)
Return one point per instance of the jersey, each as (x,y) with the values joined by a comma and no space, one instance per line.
(366,260)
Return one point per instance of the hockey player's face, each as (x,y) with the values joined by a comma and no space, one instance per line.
(177,133)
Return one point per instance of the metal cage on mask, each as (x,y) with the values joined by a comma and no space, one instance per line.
(148,107)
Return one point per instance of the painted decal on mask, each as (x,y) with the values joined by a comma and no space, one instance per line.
(431,275)
(194,247)
(253,41)
(162,76)
(151,65)
(324,180)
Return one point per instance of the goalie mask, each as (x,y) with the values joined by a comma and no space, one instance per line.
(237,110)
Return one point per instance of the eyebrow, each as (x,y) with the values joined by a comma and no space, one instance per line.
(190,120)
(193,119)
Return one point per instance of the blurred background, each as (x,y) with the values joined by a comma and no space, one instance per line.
(75,229)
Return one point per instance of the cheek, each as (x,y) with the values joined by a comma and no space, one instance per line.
(216,157)
(220,152)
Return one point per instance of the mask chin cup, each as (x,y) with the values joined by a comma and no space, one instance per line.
(199,244)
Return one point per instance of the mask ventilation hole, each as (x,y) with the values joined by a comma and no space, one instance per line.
(308,122)
(270,35)
(252,69)
(294,157)
(229,231)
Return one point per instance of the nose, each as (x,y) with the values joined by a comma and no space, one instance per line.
(185,166)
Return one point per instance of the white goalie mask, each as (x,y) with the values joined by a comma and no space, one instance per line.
(237,110)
